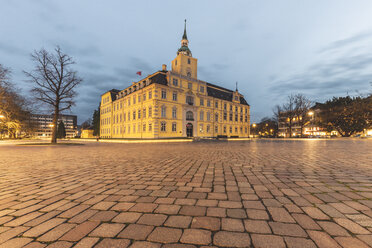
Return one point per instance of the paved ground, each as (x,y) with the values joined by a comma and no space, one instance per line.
(310,193)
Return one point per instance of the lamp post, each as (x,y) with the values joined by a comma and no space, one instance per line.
(254,127)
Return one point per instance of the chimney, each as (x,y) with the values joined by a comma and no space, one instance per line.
(164,67)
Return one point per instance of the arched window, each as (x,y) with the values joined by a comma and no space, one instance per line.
(189,116)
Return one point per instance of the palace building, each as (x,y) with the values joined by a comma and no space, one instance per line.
(174,103)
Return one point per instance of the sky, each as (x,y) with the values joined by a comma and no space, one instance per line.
(319,48)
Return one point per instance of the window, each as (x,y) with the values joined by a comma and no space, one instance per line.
(230,129)
(201,128)
(236,109)
(208,128)
(208,103)
(134,128)
(236,117)
(202,89)
(216,129)
(128,101)
(189,116)
(225,106)
(163,126)
(201,102)
(144,113)
(201,116)
(175,80)
(139,127)
(134,99)
(190,100)
(245,119)
(230,107)
(241,129)
(241,118)
(224,129)
(208,116)
(139,114)
(174,127)
(174,112)
(174,96)
(188,61)
(139,98)
(134,115)
(144,97)
(246,110)
(128,116)
(150,127)
(163,94)
(236,98)
(128,129)
(236,129)
(231,117)
(163,111)
(150,94)
(216,104)
(246,130)
(150,112)
(189,86)
(216,116)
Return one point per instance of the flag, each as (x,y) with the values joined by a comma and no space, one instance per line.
(139,73)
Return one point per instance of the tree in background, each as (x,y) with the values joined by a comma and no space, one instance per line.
(61,130)
(289,113)
(96,122)
(14,109)
(302,107)
(54,82)
(347,115)
(267,127)
(86,124)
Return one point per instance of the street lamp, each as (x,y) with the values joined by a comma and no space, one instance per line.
(311,113)
(2,116)
(253,126)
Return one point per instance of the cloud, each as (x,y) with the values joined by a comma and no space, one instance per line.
(355,39)
(12,50)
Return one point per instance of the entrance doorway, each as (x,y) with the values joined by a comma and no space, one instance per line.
(189,129)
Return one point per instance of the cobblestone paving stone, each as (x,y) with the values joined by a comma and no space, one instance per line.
(265,193)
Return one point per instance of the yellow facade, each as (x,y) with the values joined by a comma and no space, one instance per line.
(87,134)
(174,103)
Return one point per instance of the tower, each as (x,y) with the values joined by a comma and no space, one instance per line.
(184,63)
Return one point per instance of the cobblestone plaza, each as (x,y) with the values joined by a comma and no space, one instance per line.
(264,193)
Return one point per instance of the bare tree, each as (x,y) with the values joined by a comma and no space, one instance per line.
(276,111)
(14,108)
(289,112)
(302,107)
(54,82)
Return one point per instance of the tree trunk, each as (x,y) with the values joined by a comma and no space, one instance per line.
(54,127)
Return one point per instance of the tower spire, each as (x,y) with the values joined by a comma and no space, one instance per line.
(184,37)
(236,86)
(184,44)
